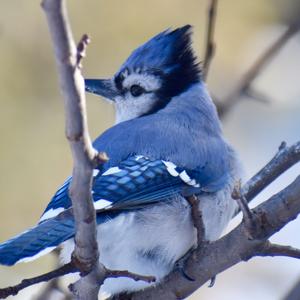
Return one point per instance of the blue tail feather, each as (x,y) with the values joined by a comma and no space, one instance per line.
(37,240)
(43,238)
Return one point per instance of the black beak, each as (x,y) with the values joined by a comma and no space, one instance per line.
(102,87)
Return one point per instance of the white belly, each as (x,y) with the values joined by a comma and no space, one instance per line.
(150,241)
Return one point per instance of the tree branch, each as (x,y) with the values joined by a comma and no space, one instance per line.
(249,219)
(271,249)
(68,269)
(285,158)
(124,273)
(85,157)
(208,259)
(197,218)
(52,286)
(14,290)
(243,87)
(210,45)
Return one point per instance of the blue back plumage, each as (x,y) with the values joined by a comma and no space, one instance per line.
(186,132)
(163,136)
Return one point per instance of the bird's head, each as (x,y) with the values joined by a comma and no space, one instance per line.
(153,74)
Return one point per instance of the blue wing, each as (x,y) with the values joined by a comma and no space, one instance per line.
(136,182)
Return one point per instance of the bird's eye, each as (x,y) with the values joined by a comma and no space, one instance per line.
(136,90)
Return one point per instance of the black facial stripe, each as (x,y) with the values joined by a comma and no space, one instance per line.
(119,82)
(120,78)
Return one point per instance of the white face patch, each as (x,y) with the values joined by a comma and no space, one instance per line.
(129,107)
(112,170)
(147,81)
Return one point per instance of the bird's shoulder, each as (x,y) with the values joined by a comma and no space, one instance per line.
(160,136)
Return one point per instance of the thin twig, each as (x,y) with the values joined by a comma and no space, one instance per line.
(14,290)
(237,195)
(68,269)
(226,105)
(285,158)
(248,217)
(210,46)
(197,218)
(270,249)
(134,276)
(81,49)
(53,285)
(212,281)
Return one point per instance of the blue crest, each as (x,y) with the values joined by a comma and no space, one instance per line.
(168,55)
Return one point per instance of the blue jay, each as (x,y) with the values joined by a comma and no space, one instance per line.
(167,144)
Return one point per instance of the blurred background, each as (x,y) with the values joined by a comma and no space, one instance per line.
(34,155)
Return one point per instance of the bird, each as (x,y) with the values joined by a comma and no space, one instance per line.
(167,144)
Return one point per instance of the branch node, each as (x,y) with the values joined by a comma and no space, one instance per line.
(271,249)
(101,158)
(81,49)
(249,218)
(282,146)
(125,273)
(85,266)
(212,281)
(74,137)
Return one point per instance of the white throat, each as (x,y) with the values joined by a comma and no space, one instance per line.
(124,112)
(130,108)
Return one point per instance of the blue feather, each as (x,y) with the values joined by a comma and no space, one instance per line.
(44,236)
